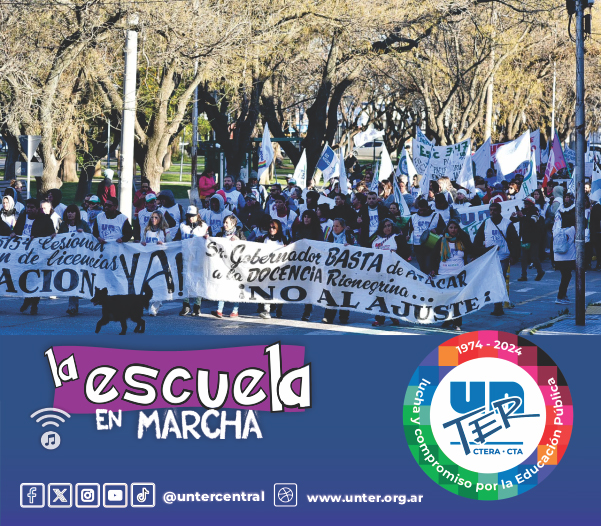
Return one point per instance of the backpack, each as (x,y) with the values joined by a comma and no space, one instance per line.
(561,244)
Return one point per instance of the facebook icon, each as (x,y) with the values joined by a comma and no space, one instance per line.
(32,495)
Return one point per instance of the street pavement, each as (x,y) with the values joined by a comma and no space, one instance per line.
(534,304)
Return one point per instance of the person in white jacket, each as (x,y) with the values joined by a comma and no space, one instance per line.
(564,246)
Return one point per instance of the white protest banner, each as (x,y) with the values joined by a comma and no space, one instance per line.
(439,161)
(510,155)
(300,171)
(386,166)
(327,163)
(472,217)
(530,183)
(366,136)
(266,153)
(354,278)
(74,264)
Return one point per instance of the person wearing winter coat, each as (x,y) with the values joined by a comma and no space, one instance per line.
(531,233)
(564,245)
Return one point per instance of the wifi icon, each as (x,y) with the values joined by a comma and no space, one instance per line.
(51,439)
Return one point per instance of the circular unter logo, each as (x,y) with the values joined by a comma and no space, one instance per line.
(488,415)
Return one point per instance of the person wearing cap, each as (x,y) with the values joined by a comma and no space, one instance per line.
(112,225)
(151,204)
(531,234)
(252,212)
(193,226)
(462,200)
(106,188)
(93,209)
(497,231)
(564,245)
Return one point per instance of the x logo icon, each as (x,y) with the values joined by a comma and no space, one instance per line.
(59,495)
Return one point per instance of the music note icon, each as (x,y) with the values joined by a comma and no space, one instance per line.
(142,496)
(51,440)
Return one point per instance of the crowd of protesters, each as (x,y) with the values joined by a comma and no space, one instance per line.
(366,214)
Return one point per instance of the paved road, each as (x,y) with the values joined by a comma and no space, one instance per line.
(534,304)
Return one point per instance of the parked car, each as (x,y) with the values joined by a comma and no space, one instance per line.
(367,150)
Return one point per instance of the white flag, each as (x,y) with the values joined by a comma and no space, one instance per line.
(405,167)
(386,166)
(366,136)
(530,183)
(342,179)
(466,176)
(511,155)
(482,158)
(265,152)
(375,181)
(300,171)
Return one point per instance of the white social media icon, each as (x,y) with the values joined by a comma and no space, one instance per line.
(87,495)
(115,494)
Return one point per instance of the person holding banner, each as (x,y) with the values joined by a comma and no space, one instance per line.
(274,236)
(426,220)
(497,231)
(531,233)
(33,223)
(451,254)
(193,226)
(72,222)
(341,236)
(231,232)
(386,239)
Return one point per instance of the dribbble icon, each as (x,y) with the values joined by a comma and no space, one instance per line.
(51,439)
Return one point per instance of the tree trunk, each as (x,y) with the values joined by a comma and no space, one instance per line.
(12,156)
(68,169)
